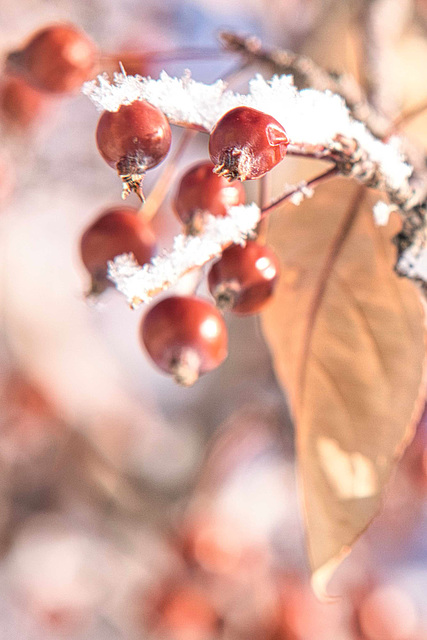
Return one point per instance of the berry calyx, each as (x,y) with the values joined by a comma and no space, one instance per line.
(200,192)
(118,230)
(133,139)
(245,144)
(244,278)
(57,59)
(185,336)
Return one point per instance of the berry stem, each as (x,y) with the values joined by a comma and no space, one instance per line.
(153,202)
(264,191)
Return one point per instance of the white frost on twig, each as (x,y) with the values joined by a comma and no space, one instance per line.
(302,191)
(310,117)
(140,284)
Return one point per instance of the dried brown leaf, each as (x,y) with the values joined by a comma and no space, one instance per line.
(347,338)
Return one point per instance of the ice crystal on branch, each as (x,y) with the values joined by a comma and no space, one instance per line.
(302,191)
(413,264)
(140,284)
(311,118)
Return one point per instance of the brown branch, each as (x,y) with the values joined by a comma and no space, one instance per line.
(353,161)
(307,74)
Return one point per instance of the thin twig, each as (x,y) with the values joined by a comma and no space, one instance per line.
(326,175)
(172,55)
(264,191)
(153,202)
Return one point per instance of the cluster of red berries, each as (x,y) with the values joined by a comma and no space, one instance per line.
(55,61)
(186,336)
(245,143)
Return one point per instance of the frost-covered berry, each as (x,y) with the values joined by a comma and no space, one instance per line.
(133,139)
(246,144)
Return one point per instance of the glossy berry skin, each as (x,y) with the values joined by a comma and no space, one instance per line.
(118,230)
(20,104)
(133,139)
(244,278)
(245,144)
(185,336)
(57,59)
(201,191)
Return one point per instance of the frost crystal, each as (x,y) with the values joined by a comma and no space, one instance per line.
(382,212)
(309,116)
(302,191)
(413,263)
(140,284)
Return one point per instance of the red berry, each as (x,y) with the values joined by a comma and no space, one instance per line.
(133,139)
(244,278)
(20,104)
(201,191)
(185,337)
(187,613)
(246,143)
(57,59)
(119,230)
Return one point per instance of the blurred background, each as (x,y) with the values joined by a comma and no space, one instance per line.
(131,507)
